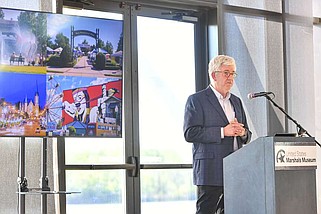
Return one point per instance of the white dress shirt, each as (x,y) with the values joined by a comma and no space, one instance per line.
(228,110)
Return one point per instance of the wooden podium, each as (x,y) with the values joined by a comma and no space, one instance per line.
(271,175)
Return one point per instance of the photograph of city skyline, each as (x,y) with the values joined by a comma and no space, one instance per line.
(22,104)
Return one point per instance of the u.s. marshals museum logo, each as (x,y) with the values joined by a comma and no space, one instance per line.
(295,156)
(280,156)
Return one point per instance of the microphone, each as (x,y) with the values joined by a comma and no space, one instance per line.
(258,94)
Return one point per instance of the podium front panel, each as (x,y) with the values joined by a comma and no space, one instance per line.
(245,180)
(254,184)
(295,192)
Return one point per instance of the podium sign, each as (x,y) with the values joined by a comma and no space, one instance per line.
(291,155)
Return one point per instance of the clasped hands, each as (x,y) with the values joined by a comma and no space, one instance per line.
(234,129)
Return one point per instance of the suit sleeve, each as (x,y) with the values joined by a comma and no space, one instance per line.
(194,119)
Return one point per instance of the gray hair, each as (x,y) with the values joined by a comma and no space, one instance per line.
(217,62)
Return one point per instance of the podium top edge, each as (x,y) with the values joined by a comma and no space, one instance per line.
(291,139)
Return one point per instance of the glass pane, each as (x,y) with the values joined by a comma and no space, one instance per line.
(21,4)
(317,89)
(295,7)
(270,5)
(92,13)
(166,190)
(300,89)
(166,78)
(316,8)
(100,191)
(94,151)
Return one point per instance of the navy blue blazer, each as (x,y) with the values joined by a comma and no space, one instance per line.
(203,120)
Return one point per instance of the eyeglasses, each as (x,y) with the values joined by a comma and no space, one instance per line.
(228,74)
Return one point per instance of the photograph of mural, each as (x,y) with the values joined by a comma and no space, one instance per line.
(84,46)
(84,106)
(67,73)
(22,105)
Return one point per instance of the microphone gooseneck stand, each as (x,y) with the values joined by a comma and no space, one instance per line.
(301,130)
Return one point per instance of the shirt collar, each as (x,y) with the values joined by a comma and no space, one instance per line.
(219,95)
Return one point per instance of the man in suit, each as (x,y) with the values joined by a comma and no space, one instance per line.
(215,122)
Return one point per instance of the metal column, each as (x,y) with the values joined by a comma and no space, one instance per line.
(22,180)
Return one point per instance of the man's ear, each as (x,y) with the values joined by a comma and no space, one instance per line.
(213,76)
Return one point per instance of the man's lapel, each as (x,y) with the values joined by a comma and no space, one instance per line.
(237,108)
(214,101)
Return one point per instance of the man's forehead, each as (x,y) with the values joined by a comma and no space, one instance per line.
(228,67)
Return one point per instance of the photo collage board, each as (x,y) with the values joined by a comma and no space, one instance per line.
(60,75)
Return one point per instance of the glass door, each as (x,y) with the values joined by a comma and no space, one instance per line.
(148,170)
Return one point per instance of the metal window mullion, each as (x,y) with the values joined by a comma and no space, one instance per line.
(125,166)
(166,166)
(130,76)
(99,166)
